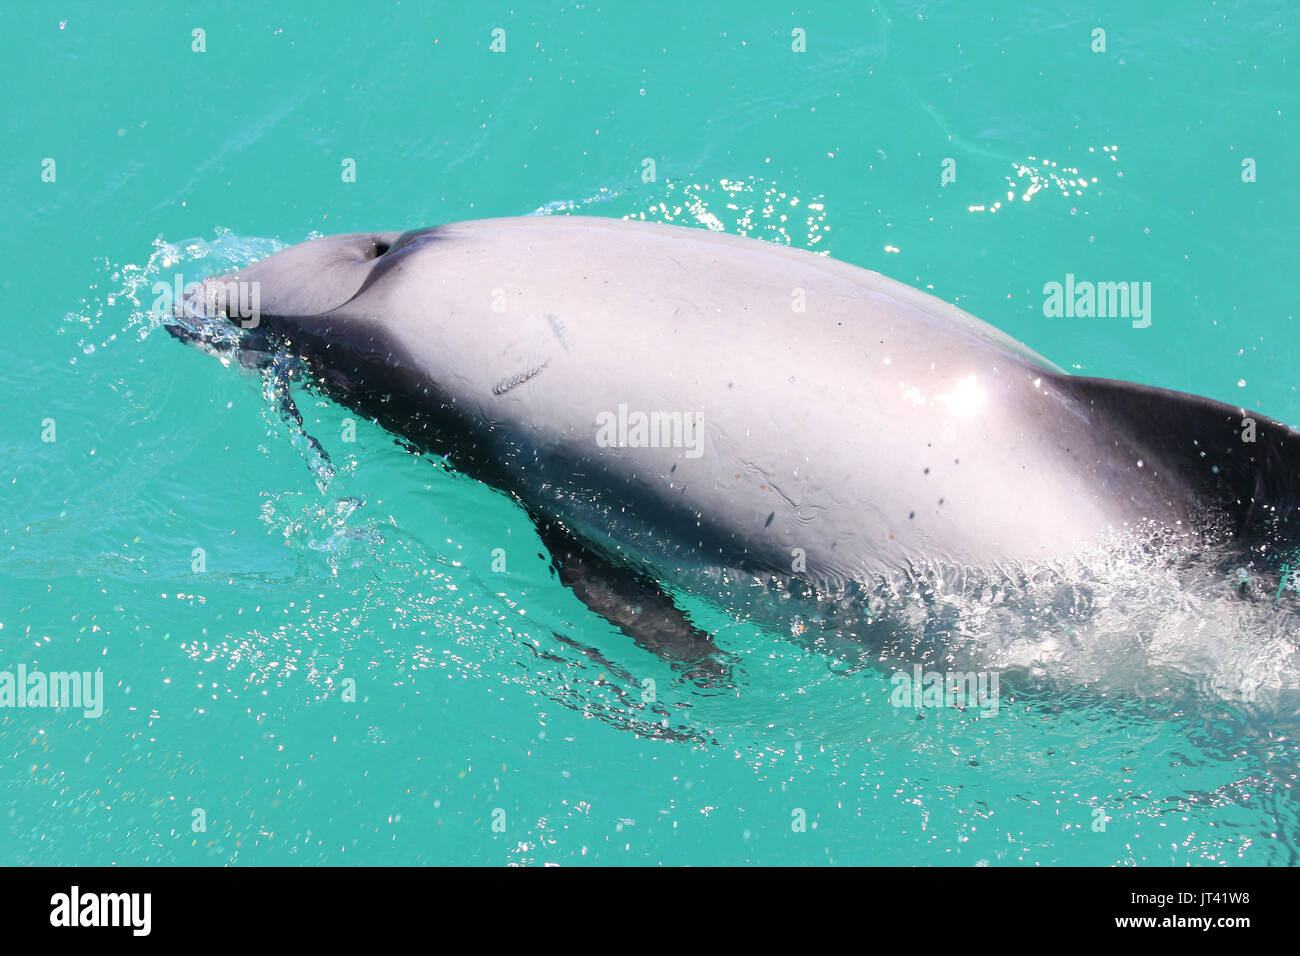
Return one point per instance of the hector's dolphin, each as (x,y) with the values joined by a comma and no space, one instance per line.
(670,402)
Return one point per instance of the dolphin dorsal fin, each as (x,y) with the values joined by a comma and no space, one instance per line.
(1241,463)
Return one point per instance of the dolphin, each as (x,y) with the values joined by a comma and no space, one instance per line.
(679,405)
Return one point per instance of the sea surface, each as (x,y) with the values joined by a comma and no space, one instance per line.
(298,671)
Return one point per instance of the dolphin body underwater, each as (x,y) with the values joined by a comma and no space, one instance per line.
(792,437)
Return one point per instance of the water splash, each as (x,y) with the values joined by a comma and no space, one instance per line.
(750,206)
(142,297)
(1036,176)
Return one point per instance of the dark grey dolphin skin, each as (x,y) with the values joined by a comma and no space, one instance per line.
(807,418)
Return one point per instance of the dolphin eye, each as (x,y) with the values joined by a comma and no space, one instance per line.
(381,248)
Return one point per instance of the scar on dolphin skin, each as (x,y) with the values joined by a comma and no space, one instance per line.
(561,333)
(514,381)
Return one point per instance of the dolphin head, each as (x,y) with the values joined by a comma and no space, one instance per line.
(289,295)
(308,279)
(305,308)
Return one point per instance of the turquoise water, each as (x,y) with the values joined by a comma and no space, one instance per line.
(225,687)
